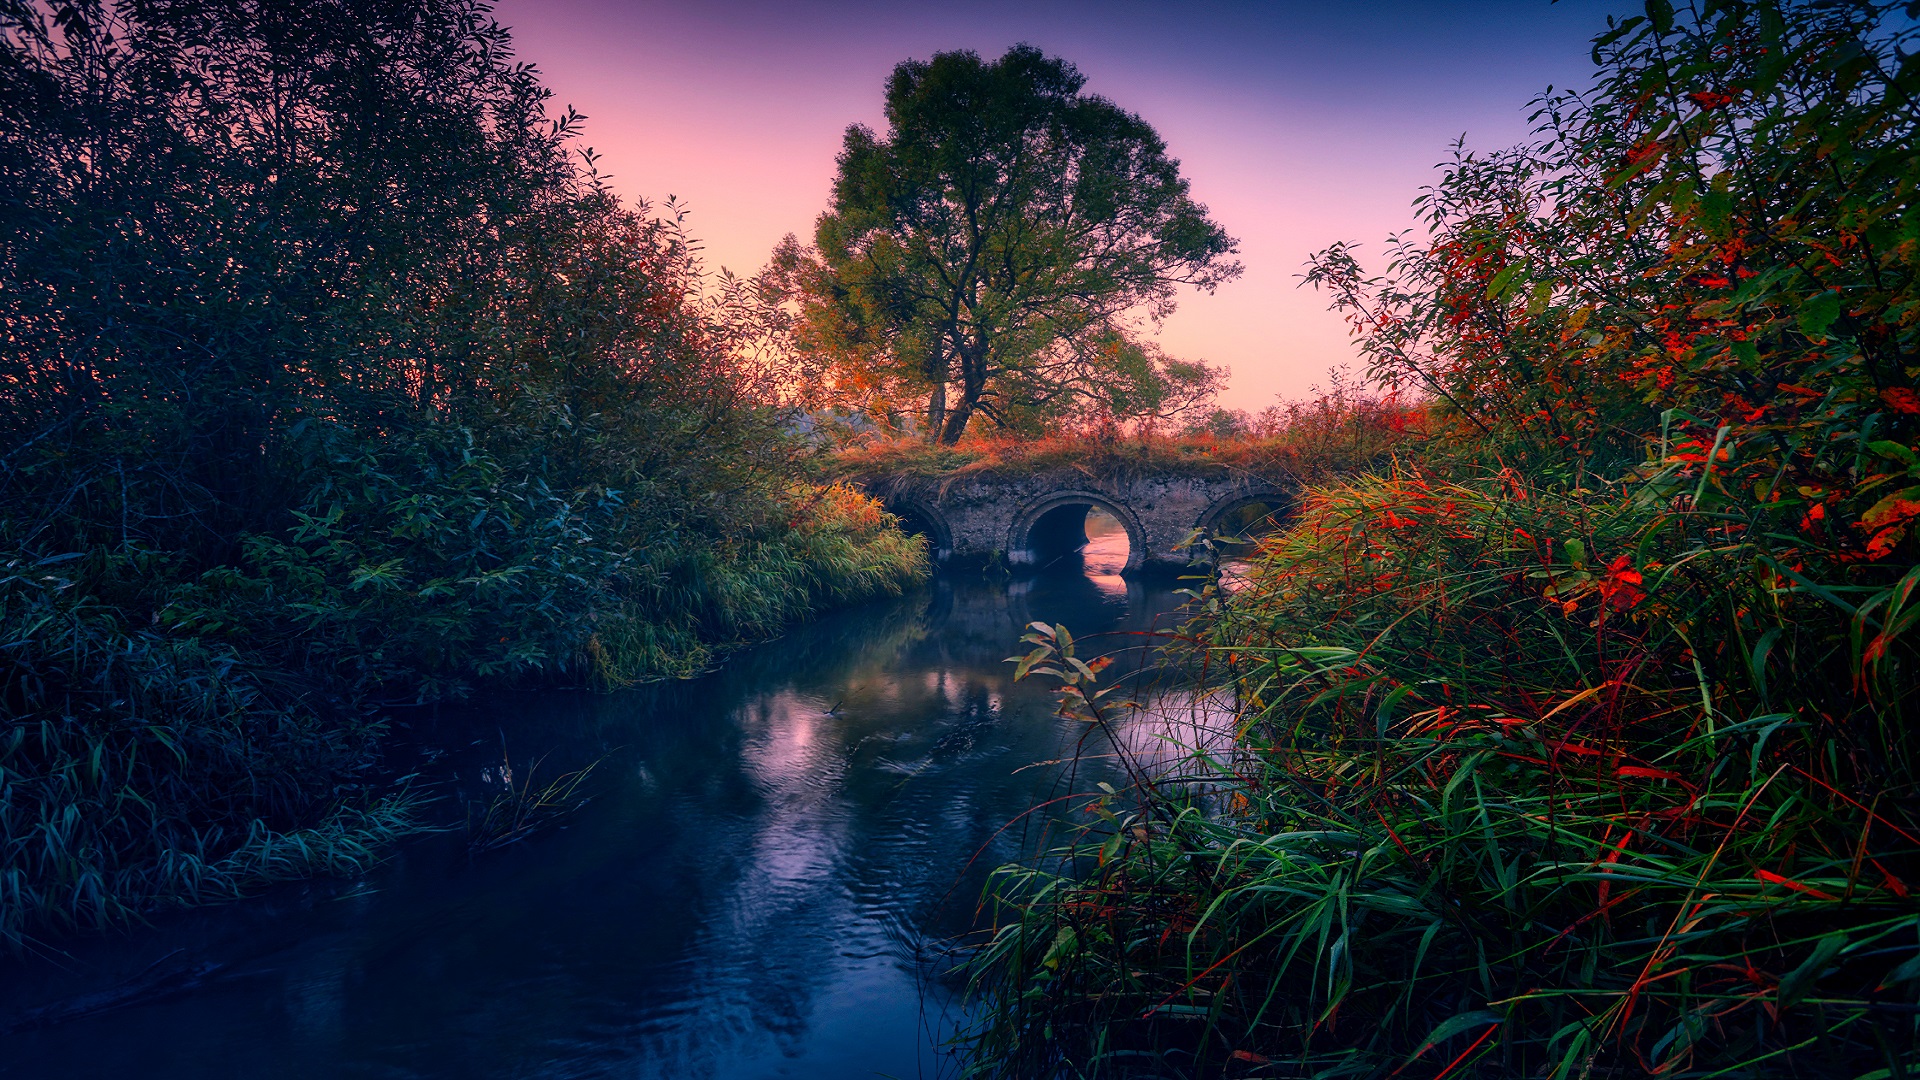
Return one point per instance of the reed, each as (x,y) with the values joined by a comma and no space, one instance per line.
(1578,741)
(519,809)
(1494,803)
(139,771)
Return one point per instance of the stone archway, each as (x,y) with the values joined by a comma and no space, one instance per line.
(1022,535)
(918,516)
(1222,512)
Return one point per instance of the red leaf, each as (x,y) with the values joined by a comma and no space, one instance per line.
(1772,878)
(1901,399)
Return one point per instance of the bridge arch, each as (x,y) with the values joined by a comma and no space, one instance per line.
(923,519)
(1229,516)
(1022,535)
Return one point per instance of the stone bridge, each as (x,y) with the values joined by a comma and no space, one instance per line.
(1032,518)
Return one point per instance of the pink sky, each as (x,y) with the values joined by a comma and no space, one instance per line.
(1298,124)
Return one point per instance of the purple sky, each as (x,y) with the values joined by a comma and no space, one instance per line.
(1299,124)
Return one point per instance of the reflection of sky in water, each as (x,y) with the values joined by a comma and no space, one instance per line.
(760,887)
(1105,555)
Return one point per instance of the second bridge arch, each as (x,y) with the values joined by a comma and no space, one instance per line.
(1055,525)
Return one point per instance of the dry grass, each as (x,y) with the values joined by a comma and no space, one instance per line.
(1335,434)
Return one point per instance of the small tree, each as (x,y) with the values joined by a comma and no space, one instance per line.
(990,252)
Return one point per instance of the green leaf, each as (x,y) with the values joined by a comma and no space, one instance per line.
(1497,288)
(1065,944)
(1454,1025)
(1801,979)
(1894,451)
(1716,214)
(1819,313)
(1660,14)
(1542,297)
(1908,971)
(1025,663)
(1614,35)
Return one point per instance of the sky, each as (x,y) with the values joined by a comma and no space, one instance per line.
(1298,124)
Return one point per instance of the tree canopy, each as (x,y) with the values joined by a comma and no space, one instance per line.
(994,251)
(331,374)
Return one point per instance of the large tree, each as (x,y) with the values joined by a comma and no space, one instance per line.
(996,248)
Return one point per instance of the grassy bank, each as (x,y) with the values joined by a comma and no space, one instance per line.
(1576,743)
(172,742)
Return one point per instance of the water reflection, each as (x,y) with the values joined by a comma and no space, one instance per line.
(773,855)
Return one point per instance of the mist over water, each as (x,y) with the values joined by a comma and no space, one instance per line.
(766,882)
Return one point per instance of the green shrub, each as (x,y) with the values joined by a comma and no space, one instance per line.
(139,767)
(334,376)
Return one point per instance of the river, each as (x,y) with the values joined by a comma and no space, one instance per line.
(764,884)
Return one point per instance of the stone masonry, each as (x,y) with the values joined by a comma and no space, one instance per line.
(1029,518)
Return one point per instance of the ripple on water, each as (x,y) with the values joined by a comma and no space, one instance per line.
(771,859)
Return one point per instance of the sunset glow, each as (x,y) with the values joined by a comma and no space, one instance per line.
(1298,124)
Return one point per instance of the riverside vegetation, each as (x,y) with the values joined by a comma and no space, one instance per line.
(334,377)
(1573,743)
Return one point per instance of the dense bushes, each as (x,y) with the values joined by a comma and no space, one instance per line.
(1577,744)
(332,375)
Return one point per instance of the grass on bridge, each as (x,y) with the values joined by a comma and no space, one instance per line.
(1312,440)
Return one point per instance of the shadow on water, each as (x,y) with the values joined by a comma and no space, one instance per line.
(760,887)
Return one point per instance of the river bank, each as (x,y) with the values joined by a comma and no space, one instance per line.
(774,860)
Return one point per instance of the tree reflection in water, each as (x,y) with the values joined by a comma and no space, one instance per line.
(763,884)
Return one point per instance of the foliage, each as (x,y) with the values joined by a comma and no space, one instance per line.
(332,376)
(1721,230)
(1578,744)
(993,243)
(1489,772)
(140,768)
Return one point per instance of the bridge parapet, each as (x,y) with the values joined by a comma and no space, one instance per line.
(1030,517)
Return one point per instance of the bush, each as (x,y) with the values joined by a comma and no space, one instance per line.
(333,377)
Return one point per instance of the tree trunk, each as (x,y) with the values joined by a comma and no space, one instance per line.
(973,383)
(957,422)
(937,409)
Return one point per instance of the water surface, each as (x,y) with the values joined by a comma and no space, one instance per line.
(764,883)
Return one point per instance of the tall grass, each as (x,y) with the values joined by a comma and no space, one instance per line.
(139,769)
(1496,804)
(1578,743)
(838,547)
